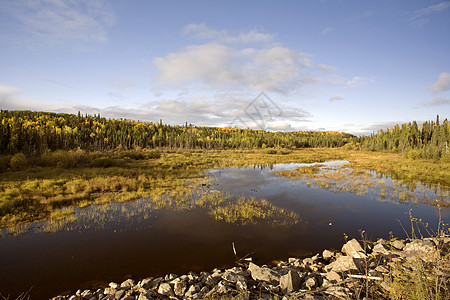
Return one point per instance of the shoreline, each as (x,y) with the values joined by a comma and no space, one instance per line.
(360,269)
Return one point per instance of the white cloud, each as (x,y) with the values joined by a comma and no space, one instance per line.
(326,31)
(443,83)
(55,22)
(421,17)
(203,32)
(336,98)
(215,66)
(359,81)
(438,102)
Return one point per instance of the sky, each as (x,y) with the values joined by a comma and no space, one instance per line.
(352,66)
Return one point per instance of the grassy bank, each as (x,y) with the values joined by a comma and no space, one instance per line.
(34,189)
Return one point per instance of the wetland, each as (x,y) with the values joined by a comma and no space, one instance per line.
(182,211)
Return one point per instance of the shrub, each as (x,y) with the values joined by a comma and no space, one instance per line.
(18,162)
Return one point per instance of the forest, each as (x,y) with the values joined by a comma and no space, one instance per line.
(429,140)
(37,133)
(34,133)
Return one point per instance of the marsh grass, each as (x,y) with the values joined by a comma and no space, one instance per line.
(77,178)
(421,277)
(362,182)
(246,211)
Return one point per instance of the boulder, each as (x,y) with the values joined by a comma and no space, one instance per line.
(333,277)
(127,284)
(379,248)
(398,244)
(179,287)
(327,255)
(342,264)
(264,274)
(165,289)
(353,248)
(290,282)
(423,249)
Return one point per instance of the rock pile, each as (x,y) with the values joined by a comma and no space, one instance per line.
(341,274)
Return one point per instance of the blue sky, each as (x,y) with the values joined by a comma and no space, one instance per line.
(353,66)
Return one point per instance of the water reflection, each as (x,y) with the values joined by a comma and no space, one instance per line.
(262,212)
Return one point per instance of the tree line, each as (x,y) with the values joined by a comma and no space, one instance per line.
(429,140)
(35,133)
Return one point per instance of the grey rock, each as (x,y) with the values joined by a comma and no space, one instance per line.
(386,286)
(127,284)
(233,277)
(381,269)
(353,248)
(241,285)
(333,277)
(193,289)
(327,255)
(310,282)
(165,289)
(342,264)
(144,296)
(179,287)
(109,291)
(170,277)
(119,294)
(290,282)
(114,285)
(420,248)
(87,294)
(338,292)
(398,244)
(379,248)
(264,274)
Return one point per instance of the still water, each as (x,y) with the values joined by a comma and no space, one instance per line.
(137,239)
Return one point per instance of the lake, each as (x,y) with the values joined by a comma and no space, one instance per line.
(305,213)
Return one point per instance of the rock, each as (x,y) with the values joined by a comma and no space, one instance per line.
(398,244)
(119,294)
(179,287)
(144,296)
(151,283)
(337,291)
(353,248)
(327,255)
(264,274)
(379,248)
(114,285)
(87,294)
(193,289)
(342,264)
(127,284)
(170,277)
(310,283)
(241,286)
(233,277)
(165,289)
(212,281)
(423,249)
(109,291)
(75,297)
(386,286)
(290,282)
(333,277)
